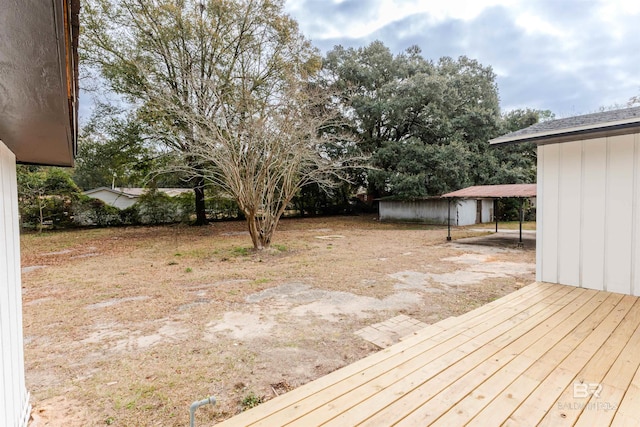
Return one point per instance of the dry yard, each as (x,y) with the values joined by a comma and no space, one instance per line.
(128,326)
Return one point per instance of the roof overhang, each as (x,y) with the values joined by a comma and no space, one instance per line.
(38,80)
(590,131)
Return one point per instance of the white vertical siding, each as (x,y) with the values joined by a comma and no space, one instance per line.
(569,191)
(465,211)
(588,213)
(550,200)
(635,249)
(593,206)
(539,217)
(14,400)
(618,214)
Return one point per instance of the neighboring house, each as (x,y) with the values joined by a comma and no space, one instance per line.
(38,125)
(588,206)
(123,198)
(471,205)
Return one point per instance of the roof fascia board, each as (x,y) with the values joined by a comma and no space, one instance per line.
(621,127)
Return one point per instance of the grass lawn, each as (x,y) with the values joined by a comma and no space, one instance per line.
(128,326)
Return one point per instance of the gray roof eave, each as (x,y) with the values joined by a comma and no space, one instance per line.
(590,131)
(588,126)
(38,121)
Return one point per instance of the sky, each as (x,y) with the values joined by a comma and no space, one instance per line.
(568,56)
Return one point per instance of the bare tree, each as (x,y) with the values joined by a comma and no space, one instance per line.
(179,59)
(262,154)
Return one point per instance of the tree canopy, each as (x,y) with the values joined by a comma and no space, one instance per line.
(426,124)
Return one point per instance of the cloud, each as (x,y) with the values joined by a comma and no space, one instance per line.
(570,57)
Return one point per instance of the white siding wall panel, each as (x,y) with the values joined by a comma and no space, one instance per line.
(466,211)
(635,253)
(430,211)
(569,213)
(589,214)
(618,214)
(14,399)
(487,210)
(551,167)
(539,218)
(569,192)
(593,213)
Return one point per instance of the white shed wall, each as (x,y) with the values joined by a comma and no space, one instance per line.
(589,214)
(113,199)
(14,399)
(433,211)
(487,210)
(466,212)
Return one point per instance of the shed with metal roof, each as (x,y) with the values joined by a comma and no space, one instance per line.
(588,199)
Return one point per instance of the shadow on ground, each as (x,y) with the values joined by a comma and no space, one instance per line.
(503,239)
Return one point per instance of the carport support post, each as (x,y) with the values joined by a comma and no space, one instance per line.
(495,212)
(448,220)
(521,213)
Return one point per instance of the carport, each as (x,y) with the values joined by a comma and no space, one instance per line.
(494,192)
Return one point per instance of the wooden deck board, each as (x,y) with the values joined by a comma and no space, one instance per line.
(523,353)
(567,409)
(409,348)
(481,370)
(512,361)
(552,371)
(452,343)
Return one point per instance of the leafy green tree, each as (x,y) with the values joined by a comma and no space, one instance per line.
(112,151)
(45,195)
(516,163)
(420,169)
(425,124)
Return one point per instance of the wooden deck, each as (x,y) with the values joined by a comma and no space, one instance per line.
(539,356)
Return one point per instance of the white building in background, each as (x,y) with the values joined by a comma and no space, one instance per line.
(123,198)
(468,206)
(588,206)
(38,125)
(434,210)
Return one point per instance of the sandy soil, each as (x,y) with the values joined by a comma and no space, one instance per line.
(128,326)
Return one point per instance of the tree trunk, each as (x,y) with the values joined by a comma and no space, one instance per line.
(41,208)
(256,239)
(201,213)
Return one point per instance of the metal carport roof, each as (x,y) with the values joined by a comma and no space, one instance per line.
(494,191)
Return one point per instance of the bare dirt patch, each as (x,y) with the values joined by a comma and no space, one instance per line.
(154,318)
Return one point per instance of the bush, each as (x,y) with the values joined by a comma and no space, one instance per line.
(130,216)
(509,210)
(219,207)
(156,207)
(184,204)
(90,211)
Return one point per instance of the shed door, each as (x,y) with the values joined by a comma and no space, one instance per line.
(478,211)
